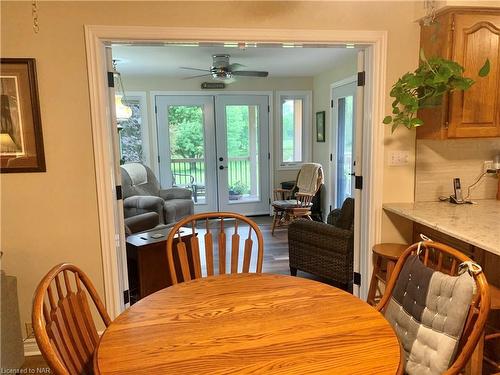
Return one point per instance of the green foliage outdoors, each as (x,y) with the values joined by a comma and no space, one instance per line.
(425,87)
(288,131)
(130,136)
(187,142)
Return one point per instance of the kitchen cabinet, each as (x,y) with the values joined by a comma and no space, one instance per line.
(469,37)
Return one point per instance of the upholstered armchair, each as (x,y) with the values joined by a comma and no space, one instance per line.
(324,249)
(142,193)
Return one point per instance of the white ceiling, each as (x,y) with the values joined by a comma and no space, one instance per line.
(278,61)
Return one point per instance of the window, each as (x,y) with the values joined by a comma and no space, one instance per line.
(132,148)
(294,128)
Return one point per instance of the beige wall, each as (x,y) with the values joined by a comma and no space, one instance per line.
(321,102)
(52,217)
(438,162)
(148,83)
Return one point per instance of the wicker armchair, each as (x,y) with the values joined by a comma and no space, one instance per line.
(324,250)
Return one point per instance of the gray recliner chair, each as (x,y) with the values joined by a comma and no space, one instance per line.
(142,193)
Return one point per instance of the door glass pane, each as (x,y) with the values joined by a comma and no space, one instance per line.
(130,134)
(242,134)
(187,149)
(345,148)
(291,132)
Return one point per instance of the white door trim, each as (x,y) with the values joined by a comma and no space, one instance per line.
(342,82)
(96,37)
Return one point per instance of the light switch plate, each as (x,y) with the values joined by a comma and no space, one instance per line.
(400,157)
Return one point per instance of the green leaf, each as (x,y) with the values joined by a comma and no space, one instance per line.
(485,70)
(422,55)
(416,122)
(387,119)
(394,127)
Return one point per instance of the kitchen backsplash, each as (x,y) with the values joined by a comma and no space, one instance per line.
(438,162)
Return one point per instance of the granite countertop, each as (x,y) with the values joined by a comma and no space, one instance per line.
(477,224)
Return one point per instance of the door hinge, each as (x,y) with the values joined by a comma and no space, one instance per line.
(119,194)
(269,200)
(126,296)
(111,79)
(358,182)
(357,278)
(158,159)
(268,156)
(268,109)
(331,157)
(156,109)
(361,78)
(331,103)
(330,208)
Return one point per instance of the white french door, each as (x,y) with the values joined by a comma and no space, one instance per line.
(344,142)
(218,147)
(242,128)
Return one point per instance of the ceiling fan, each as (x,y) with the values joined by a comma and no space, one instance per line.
(221,70)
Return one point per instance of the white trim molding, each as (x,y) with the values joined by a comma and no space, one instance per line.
(97,37)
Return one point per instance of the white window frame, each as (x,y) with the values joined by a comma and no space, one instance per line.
(306,96)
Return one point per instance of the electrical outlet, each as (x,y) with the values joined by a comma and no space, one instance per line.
(397,158)
(488,164)
(29,330)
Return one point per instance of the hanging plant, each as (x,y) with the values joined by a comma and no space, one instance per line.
(425,88)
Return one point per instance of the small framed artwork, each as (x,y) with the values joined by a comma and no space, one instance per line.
(320,126)
(21,141)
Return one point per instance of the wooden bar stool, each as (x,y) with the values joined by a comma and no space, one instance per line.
(388,253)
(493,333)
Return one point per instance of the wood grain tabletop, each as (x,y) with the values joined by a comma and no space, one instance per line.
(249,324)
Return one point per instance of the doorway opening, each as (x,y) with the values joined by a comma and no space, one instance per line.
(97,37)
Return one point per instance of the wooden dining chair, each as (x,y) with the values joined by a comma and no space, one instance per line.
(64,328)
(433,292)
(187,255)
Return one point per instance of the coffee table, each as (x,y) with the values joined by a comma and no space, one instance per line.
(147,261)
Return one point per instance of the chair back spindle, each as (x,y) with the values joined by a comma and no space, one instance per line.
(62,321)
(215,248)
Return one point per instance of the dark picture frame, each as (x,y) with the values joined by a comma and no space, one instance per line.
(21,139)
(320,126)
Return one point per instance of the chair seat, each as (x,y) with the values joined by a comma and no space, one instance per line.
(290,203)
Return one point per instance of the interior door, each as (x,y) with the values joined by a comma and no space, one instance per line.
(243,153)
(343,115)
(119,288)
(186,146)
(361,254)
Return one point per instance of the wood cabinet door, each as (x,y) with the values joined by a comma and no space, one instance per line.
(476,112)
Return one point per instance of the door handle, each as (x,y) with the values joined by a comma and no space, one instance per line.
(221,167)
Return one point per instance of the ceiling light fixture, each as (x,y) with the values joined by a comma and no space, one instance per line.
(122,109)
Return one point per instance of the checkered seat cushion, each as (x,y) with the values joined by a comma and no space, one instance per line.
(428,310)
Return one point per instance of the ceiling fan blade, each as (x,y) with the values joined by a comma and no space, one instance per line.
(235,66)
(249,73)
(201,70)
(201,75)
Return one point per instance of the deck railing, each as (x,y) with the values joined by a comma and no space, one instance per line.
(187,172)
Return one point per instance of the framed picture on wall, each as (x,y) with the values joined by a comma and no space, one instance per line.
(21,141)
(320,126)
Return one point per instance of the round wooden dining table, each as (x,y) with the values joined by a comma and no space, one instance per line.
(249,324)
